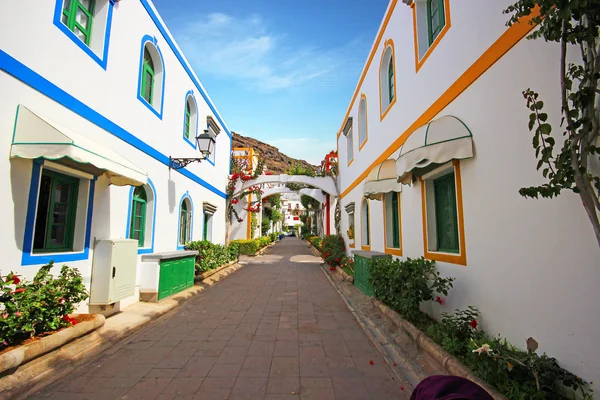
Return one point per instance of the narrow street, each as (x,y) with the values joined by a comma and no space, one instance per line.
(276,329)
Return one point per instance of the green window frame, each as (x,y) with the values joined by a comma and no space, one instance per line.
(78,16)
(187,122)
(205,225)
(446,214)
(435,18)
(56,213)
(391,79)
(395,220)
(367,223)
(147,87)
(137,225)
(185,223)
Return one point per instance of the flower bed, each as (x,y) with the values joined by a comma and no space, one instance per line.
(211,256)
(252,246)
(517,374)
(30,309)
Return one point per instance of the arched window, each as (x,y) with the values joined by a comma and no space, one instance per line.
(151,76)
(185,222)
(387,78)
(362,122)
(142,216)
(365,225)
(138,215)
(190,119)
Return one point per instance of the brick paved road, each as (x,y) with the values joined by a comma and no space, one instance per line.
(275,329)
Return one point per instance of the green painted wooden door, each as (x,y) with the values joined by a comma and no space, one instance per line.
(175,276)
(165,279)
(361,275)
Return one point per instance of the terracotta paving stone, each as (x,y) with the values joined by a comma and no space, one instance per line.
(272,328)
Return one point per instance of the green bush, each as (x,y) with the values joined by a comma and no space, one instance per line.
(30,308)
(316,242)
(334,250)
(248,247)
(306,235)
(263,241)
(274,236)
(210,255)
(404,285)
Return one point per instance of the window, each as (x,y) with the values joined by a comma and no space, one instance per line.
(190,119)
(185,222)
(365,225)
(207,225)
(435,18)
(387,79)
(212,125)
(138,215)
(392,223)
(362,122)
(77,15)
(443,220)
(56,211)
(351,224)
(142,216)
(349,140)
(151,80)
(87,23)
(148,76)
(431,19)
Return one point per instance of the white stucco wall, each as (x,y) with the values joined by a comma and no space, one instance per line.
(532,265)
(45,71)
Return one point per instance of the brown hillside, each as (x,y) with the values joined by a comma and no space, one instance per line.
(276,161)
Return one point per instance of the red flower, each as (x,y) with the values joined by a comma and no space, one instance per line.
(4,316)
(20,290)
(15,279)
(394,364)
(401,387)
(474,324)
(332,268)
(371,362)
(235,201)
(337,260)
(439,300)
(70,320)
(18,314)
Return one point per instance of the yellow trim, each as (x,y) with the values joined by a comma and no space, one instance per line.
(351,245)
(369,60)
(383,113)
(391,250)
(460,258)
(351,161)
(368,246)
(360,146)
(419,62)
(500,47)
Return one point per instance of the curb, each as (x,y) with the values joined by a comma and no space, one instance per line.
(23,354)
(208,273)
(427,345)
(346,277)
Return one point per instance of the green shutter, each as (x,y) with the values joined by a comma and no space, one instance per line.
(165,279)
(391,78)
(187,120)
(395,221)
(56,214)
(446,216)
(137,225)
(147,77)
(205,226)
(78,16)
(435,18)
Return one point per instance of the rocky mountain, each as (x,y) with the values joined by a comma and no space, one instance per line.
(276,161)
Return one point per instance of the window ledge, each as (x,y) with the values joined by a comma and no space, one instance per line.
(451,258)
(394,252)
(45,258)
(387,110)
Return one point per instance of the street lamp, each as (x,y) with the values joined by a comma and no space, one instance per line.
(205,143)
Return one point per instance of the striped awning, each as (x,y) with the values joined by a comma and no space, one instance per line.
(381,180)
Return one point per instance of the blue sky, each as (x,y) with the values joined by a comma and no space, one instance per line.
(280,71)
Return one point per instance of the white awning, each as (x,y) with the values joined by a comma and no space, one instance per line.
(38,137)
(381,180)
(447,138)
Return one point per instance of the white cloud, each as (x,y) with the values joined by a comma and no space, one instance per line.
(245,50)
(309,149)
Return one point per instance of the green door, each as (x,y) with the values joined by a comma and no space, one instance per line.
(165,279)
(361,275)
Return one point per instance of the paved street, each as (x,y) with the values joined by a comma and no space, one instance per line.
(276,329)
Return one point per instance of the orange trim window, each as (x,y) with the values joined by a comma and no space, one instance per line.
(387,79)
(365,225)
(444,241)
(431,21)
(351,227)
(392,221)
(363,122)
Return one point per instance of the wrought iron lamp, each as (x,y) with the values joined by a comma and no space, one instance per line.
(205,144)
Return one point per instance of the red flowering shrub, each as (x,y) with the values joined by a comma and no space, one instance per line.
(43,305)
(333,250)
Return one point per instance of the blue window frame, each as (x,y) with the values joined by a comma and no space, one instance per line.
(95,43)
(150,217)
(149,47)
(185,221)
(190,119)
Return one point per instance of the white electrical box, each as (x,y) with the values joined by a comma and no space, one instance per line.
(113,270)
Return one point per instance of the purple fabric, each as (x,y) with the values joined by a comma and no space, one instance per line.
(446,387)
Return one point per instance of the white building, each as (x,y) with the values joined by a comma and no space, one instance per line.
(292,209)
(441,91)
(96,96)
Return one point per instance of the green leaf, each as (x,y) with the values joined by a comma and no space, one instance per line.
(546,129)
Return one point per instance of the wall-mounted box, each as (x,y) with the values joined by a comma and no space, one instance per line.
(113,270)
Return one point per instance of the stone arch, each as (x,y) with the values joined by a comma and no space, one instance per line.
(324,183)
